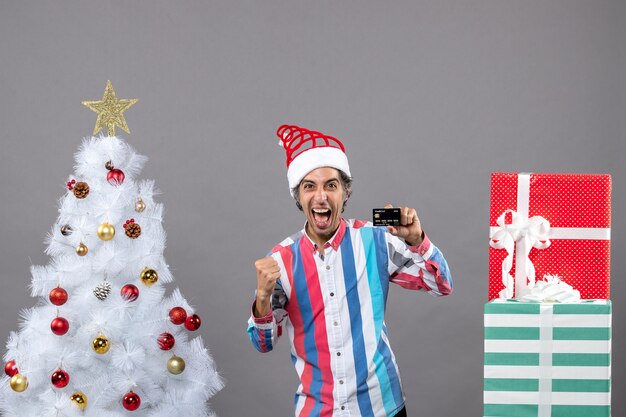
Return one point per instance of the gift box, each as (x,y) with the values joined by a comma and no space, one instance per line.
(547,359)
(550,224)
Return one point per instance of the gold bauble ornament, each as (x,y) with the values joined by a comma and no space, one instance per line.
(101,345)
(82,249)
(149,276)
(106,231)
(80,400)
(140,205)
(19,383)
(176,365)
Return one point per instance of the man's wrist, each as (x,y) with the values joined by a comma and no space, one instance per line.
(262,306)
(415,241)
(262,296)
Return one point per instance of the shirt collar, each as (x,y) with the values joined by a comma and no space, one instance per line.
(334,241)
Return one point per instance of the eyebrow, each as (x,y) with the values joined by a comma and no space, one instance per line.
(304,182)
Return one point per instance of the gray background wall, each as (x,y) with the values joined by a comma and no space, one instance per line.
(429,97)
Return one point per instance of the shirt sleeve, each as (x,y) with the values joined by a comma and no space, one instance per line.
(420,267)
(265,331)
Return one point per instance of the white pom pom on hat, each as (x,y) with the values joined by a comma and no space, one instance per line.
(308,150)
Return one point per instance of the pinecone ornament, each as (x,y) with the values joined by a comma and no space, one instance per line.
(132,229)
(102,291)
(81,189)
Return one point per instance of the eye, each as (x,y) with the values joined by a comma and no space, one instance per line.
(332,185)
(307,186)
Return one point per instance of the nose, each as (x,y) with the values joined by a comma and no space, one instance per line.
(321,195)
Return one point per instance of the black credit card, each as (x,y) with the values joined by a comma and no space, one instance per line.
(386,216)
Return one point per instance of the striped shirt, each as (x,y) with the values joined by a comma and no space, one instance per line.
(333,309)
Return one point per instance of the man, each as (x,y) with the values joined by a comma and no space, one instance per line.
(327,286)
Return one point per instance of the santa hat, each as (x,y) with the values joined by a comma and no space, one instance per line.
(308,150)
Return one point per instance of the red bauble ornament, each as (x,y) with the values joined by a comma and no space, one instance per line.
(60,378)
(131,401)
(193,322)
(166,341)
(59,326)
(129,292)
(115,177)
(58,296)
(10,368)
(178,315)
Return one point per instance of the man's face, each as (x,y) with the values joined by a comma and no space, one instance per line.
(322,197)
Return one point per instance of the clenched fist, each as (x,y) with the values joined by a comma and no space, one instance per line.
(410,228)
(267,273)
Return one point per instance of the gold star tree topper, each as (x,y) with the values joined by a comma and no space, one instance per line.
(110,111)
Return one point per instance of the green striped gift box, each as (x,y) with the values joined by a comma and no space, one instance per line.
(547,359)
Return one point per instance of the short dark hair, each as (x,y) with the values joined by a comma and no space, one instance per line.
(346,183)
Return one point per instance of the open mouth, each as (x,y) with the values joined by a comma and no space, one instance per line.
(321,216)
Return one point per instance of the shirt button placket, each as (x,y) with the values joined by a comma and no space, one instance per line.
(337,339)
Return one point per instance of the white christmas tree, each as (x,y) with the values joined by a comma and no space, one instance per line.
(103,338)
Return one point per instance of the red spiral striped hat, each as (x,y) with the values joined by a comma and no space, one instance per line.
(308,150)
